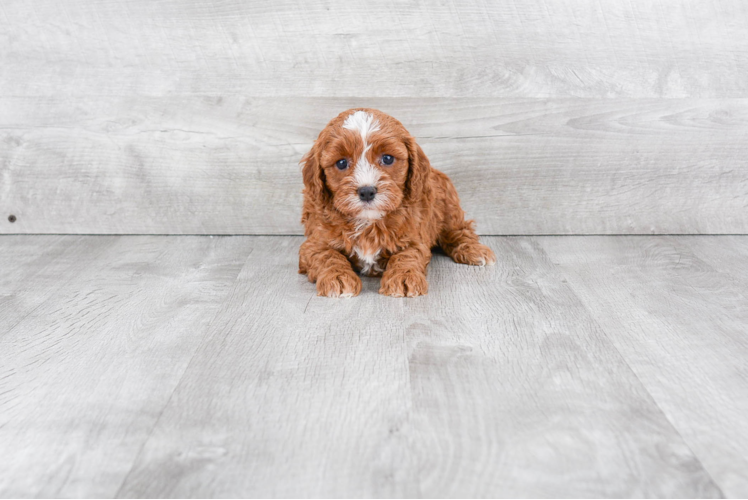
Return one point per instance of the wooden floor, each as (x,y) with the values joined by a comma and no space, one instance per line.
(161,366)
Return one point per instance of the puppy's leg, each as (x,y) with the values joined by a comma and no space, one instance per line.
(329,269)
(405,275)
(457,237)
(461,243)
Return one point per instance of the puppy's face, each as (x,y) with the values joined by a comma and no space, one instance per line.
(362,162)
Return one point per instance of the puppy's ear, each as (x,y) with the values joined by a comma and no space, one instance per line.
(314,176)
(419,170)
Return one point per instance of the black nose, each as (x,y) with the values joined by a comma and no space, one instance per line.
(367,193)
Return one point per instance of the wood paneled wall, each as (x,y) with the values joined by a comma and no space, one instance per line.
(551,117)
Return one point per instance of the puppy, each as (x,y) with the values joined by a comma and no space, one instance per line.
(374,204)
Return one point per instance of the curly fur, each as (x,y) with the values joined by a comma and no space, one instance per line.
(415,209)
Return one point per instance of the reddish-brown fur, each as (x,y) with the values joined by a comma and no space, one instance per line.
(420,210)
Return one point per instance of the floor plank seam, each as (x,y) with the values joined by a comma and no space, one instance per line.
(308,301)
(206,338)
(570,286)
(410,412)
(150,433)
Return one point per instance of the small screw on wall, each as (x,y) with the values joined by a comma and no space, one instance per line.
(11,218)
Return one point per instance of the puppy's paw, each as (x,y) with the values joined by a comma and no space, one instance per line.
(338,284)
(474,254)
(407,283)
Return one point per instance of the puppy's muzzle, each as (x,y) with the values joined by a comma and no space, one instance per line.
(367,193)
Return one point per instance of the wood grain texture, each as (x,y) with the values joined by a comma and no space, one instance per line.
(84,374)
(229,165)
(676,310)
(515,48)
(727,255)
(35,269)
(497,383)
(290,401)
(577,366)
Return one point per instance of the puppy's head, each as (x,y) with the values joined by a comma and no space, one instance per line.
(365,165)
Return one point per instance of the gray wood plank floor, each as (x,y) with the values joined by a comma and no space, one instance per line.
(167,366)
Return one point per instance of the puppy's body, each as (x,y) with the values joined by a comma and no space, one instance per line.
(382,213)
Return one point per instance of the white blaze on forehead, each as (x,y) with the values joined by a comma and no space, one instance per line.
(363,123)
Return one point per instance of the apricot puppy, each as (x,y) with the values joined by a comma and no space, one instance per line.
(374,205)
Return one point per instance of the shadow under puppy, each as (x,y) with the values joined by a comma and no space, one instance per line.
(374,204)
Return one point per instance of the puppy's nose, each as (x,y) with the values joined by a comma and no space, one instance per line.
(367,193)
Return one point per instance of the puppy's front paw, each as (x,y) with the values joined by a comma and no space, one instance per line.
(474,254)
(338,284)
(408,283)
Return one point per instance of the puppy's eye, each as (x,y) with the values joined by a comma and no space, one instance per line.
(387,159)
(342,164)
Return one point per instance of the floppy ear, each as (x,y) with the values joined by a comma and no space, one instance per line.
(314,176)
(419,169)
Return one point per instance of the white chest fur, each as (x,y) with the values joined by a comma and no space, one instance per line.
(369,260)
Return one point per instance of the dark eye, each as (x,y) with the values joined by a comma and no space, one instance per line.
(387,159)
(342,164)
